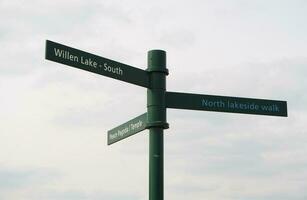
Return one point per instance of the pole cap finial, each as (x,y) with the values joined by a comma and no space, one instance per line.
(157,61)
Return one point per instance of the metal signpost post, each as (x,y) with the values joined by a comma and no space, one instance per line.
(156,110)
(154,79)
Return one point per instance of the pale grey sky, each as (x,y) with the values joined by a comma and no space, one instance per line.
(54,119)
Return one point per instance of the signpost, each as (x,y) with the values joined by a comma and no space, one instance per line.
(154,79)
(226,104)
(127,129)
(80,59)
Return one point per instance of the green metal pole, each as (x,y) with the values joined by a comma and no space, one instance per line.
(156,111)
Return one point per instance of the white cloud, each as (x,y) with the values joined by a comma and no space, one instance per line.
(55,117)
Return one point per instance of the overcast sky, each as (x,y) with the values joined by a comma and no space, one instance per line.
(54,118)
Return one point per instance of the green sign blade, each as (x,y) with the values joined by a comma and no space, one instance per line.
(226,104)
(127,129)
(76,58)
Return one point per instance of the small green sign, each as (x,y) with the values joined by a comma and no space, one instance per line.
(76,58)
(226,104)
(127,129)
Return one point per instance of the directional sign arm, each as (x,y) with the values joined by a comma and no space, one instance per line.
(226,104)
(127,129)
(80,59)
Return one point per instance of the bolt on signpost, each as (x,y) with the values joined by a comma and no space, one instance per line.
(154,79)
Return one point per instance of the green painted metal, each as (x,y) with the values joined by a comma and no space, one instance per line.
(127,129)
(226,104)
(82,60)
(157,121)
(154,79)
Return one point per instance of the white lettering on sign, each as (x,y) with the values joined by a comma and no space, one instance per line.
(87,61)
(126,130)
(136,125)
(113,136)
(66,55)
(122,132)
(114,70)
